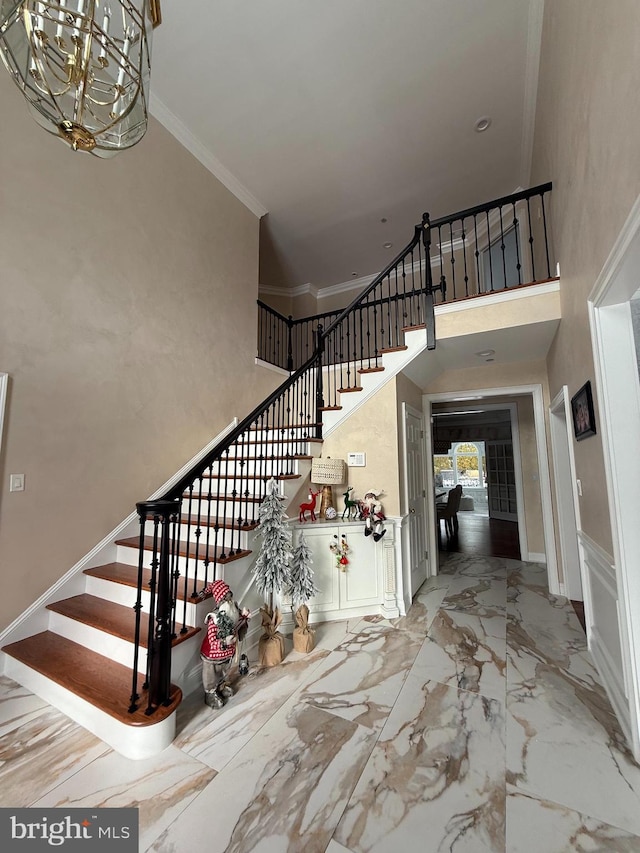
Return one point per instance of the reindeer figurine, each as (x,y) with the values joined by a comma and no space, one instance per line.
(350,506)
(310,506)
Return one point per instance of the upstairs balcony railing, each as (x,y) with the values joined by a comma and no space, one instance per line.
(196,526)
(493,247)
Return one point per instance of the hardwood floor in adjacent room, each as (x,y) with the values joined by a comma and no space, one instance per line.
(479,534)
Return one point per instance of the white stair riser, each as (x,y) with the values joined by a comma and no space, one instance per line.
(114,648)
(130,557)
(226,537)
(126,596)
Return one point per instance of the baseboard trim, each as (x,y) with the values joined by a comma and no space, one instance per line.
(535,557)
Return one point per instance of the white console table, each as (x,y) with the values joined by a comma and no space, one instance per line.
(372,581)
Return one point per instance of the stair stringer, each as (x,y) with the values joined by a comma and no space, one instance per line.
(371,383)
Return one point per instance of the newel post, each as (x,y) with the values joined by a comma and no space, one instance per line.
(163,514)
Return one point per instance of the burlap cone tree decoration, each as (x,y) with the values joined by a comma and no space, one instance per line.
(271,571)
(301,588)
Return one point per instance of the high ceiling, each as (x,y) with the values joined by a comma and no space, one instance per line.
(328,116)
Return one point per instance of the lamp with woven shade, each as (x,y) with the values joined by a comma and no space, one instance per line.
(327,472)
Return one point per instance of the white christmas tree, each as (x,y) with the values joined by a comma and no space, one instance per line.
(271,571)
(301,586)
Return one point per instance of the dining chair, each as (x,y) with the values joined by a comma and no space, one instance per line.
(448,512)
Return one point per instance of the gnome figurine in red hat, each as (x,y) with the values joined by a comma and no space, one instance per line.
(225,626)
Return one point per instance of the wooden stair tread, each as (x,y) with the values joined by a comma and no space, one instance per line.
(226,524)
(329,408)
(112,618)
(288,426)
(291,440)
(393,349)
(213,554)
(349,390)
(265,477)
(95,678)
(252,499)
(127,575)
(370,369)
(292,457)
(414,328)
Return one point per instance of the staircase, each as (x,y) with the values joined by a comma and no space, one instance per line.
(81,662)
(116,645)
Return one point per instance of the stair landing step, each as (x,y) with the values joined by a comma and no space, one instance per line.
(127,575)
(188,548)
(93,677)
(114,619)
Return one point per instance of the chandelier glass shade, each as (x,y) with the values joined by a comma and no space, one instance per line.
(84,66)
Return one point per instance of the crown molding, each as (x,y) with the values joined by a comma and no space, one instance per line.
(179,130)
(300,290)
(532,70)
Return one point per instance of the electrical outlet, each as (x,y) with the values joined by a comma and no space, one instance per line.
(16,482)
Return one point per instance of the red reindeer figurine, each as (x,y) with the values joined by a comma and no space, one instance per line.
(311,506)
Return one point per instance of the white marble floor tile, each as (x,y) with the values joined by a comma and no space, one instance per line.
(482,596)
(284,792)
(160,788)
(17,705)
(564,742)
(466,651)
(435,780)
(39,749)
(334,847)
(535,825)
(214,737)
(362,678)
(477,565)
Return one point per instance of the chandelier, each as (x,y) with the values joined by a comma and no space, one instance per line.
(84,66)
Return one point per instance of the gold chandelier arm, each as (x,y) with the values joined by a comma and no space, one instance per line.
(156,13)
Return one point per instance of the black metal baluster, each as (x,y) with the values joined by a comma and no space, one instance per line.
(489,250)
(477,254)
(502,247)
(464,256)
(546,238)
(453,261)
(516,231)
(533,262)
(319,390)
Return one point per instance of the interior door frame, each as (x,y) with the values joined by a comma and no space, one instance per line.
(566,492)
(472,396)
(618,395)
(408,409)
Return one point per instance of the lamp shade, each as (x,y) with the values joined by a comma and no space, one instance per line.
(327,471)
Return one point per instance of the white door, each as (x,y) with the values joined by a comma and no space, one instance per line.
(501,480)
(415,496)
(563,469)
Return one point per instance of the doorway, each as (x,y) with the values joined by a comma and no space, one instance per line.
(538,480)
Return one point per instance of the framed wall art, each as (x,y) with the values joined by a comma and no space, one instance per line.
(584,419)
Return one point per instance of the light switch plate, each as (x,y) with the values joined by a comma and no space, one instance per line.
(16,482)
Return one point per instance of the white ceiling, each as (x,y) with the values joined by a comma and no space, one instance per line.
(325,116)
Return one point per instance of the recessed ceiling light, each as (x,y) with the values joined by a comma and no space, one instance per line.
(384,219)
(485,352)
(482,124)
(354,275)
(387,245)
(490,359)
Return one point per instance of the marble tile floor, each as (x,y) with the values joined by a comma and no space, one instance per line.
(475,723)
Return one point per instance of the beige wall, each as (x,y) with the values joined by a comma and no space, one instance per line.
(372,428)
(586,141)
(500,376)
(128,328)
